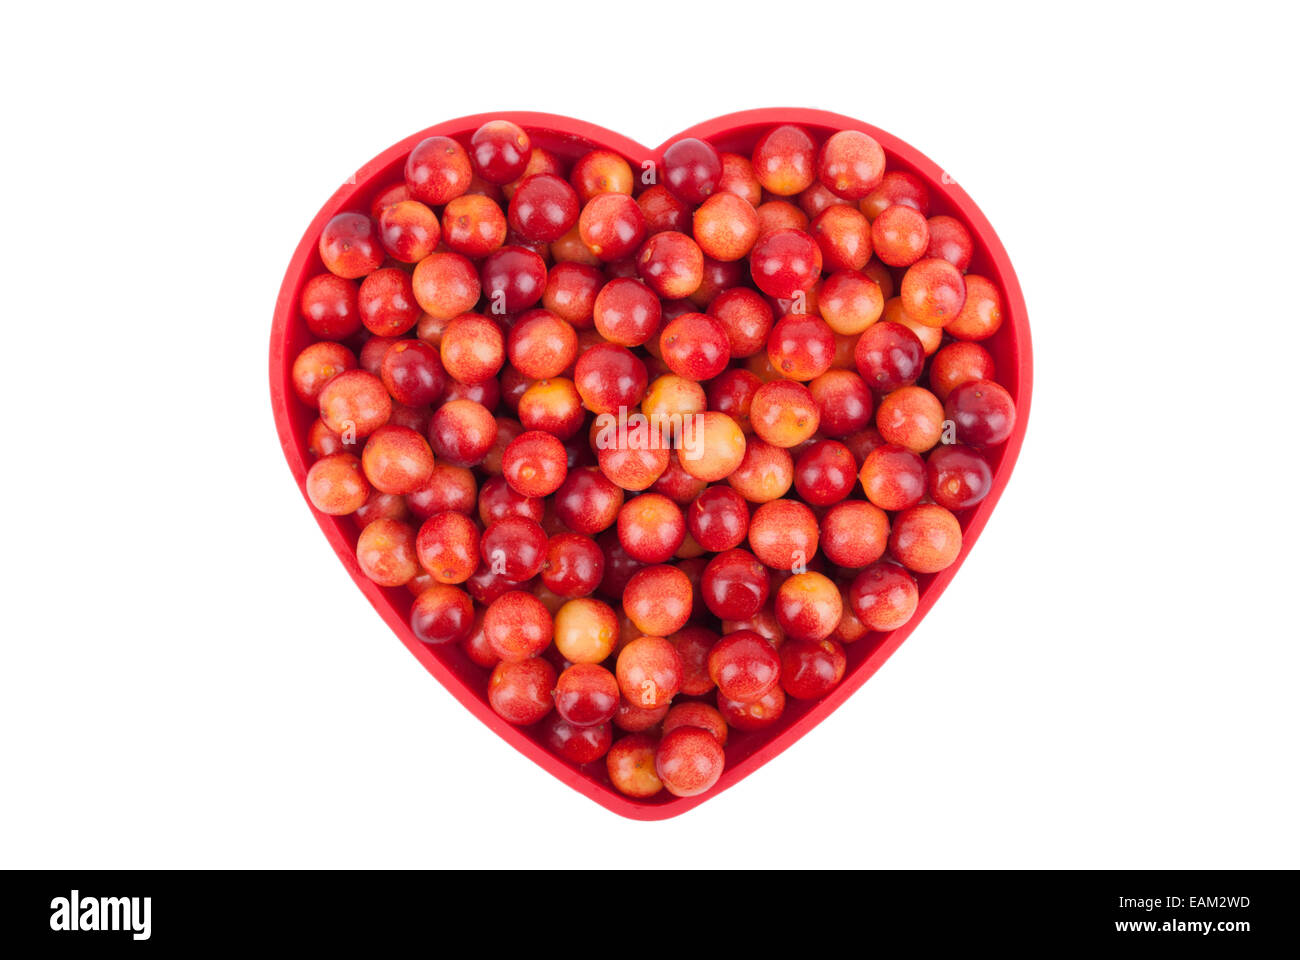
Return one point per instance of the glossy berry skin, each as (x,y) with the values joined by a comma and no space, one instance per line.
(336,485)
(765,473)
(957,363)
(695,346)
(587,501)
(329,307)
(808,607)
(926,538)
(513,279)
(316,365)
(499,151)
(608,377)
(689,761)
(679,487)
(844,236)
(735,585)
(447,547)
(889,356)
(900,236)
(716,450)
(462,432)
(473,226)
(517,626)
(349,246)
(626,312)
(448,488)
(825,473)
(438,170)
(844,402)
(783,413)
(637,720)
(553,406)
(671,264)
(912,417)
(472,348)
(718,519)
(758,715)
(933,292)
(651,528)
(745,666)
(853,534)
(612,226)
(649,672)
(443,614)
(663,211)
(631,467)
(520,692)
(445,285)
(541,345)
(571,290)
(810,669)
(397,460)
(746,317)
(693,644)
(801,346)
(785,262)
(957,477)
(893,477)
(409,230)
(783,534)
(851,164)
(884,596)
(784,160)
(732,392)
(574,565)
(725,227)
(983,412)
(514,546)
(631,766)
(387,303)
(385,552)
(412,373)
(576,744)
(586,693)
(585,630)
(950,240)
(497,499)
(896,186)
(981,314)
(543,208)
(535,464)
(658,600)
(601,171)
(692,169)
(699,715)
(354,403)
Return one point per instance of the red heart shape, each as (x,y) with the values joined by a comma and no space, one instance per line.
(570,138)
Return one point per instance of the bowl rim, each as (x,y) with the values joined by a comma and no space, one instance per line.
(283,398)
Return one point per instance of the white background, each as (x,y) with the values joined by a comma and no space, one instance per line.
(190,679)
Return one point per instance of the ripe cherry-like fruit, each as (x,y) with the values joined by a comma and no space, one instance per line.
(520,691)
(692,169)
(983,412)
(689,761)
(438,170)
(517,626)
(745,666)
(649,672)
(810,669)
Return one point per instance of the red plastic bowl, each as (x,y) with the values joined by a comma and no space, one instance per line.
(569,138)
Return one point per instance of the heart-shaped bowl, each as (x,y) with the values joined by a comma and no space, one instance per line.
(569,139)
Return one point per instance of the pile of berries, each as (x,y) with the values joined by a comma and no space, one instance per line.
(651,444)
